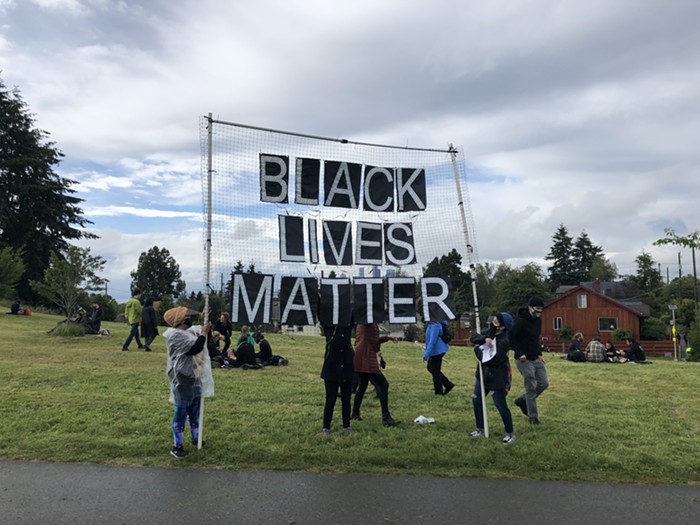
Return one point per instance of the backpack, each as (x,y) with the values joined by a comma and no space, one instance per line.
(446,335)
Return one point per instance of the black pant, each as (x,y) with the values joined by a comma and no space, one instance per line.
(380,384)
(331,395)
(440,381)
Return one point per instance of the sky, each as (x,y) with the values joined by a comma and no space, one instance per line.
(585,114)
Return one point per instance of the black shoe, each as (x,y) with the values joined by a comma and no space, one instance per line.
(125,349)
(178,452)
(356,415)
(521,404)
(448,389)
(141,347)
(534,421)
(390,422)
(147,349)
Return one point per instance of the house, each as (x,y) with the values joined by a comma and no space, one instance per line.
(588,310)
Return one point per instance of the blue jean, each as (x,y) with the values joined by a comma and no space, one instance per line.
(187,410)
(499,400)
(536,381)
(134,333)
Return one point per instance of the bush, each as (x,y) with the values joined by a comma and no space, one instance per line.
(68,330)
(410,332)
(565,333)
(653,329)
(693,338)
(620,334)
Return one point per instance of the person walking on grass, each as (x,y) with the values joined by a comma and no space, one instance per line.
(367,349)
(435,350)
(185,384)
(492,352)
(149,324)
(132,313)
(337,374)
(525,341)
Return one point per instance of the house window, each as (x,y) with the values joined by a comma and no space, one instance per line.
(607,324)
(300,328)
(557,323)
(582,301)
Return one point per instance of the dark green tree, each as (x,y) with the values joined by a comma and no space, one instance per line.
(11,270)
(603,270)
(518,285)
(157,274)
(450,265)
(39,214)
(562,270)
(584,253)
(648,277)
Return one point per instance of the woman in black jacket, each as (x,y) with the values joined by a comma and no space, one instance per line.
(149,324)
(337,373)
(492,352)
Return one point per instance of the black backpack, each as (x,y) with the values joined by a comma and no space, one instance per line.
(446,335)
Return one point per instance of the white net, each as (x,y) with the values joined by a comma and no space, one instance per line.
(246,231)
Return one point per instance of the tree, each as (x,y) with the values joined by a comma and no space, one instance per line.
(518,285)
(39,214)
(602,269)
(691,241)
(648,277)
(584,253)
(69,277)
(450,266)
(157,275)
(11,270)
(562,271)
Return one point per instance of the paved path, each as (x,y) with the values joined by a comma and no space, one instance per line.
(51,493)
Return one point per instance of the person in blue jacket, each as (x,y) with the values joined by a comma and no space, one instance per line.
(435,349)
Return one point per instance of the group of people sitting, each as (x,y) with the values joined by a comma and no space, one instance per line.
(243,355)
(597,352)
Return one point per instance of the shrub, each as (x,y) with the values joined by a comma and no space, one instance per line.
(565,333)
(68,330)
(694,338)
(620,334)
(653,329)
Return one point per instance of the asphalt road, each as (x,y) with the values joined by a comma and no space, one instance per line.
(51,493)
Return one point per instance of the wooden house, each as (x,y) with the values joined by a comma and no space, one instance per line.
(587,310)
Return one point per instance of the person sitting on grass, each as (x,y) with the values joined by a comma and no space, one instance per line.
(245,336)
(634,353)
(185,384)
(15,308)
(612,354)
(595,351)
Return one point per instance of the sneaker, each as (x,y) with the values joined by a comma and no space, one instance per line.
(390,422)
(448,389)
(326,432)
(477,433)
(349,430)
(178,452)
(508,438)
(356,415)
(521,404)
(534,421)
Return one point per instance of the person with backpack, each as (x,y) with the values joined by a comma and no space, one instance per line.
(492,352)
(437,335)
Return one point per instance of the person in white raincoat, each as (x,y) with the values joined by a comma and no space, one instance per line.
(189,371)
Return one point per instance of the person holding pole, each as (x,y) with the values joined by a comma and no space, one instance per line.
(525,339)
(493,374)
(184,372)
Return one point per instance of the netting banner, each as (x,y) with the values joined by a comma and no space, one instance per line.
(330,229)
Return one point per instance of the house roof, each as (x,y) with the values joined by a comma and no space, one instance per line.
(634,307)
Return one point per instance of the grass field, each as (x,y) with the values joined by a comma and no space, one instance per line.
(84,400)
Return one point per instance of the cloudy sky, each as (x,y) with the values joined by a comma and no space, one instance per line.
(581,113)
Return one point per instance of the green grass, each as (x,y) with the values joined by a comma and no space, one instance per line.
(84,400)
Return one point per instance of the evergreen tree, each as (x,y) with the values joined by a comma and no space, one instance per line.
(648,277)
(450,265)
(157,275)
(603,270)
(39,213)
(562,270)
(518,285)
(584,252)
(11,270)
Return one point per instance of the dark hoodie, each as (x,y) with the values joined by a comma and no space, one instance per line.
(525,335)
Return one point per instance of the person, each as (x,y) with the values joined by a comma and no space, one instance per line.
(149,324)
(264,356)
(525,341)
(435,350)
(185,384)
(367,349)
(337,374)
(15,308)
(244,356)
(595,351)
(634,353)
(245,336)
(492,352)
(612,354)
(224,326)
(575,354)
(132,313)
(94,324)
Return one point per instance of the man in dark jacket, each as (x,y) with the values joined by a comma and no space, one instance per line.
(525,341)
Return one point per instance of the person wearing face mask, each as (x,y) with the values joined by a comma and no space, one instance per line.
(184,371)
(525,341)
